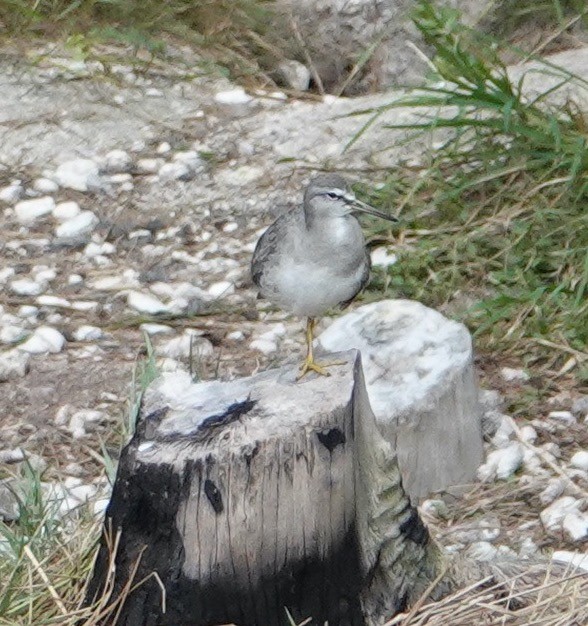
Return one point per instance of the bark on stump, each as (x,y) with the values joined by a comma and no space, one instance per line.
(260,495)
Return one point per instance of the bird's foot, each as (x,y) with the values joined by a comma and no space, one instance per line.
(310,365)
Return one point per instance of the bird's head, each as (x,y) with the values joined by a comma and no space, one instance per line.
(330,195)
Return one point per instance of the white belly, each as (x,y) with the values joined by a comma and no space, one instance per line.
(308,291)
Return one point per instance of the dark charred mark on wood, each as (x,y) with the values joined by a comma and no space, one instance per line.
(251,454)
(414,529)
(232,413)
(214,496)
(331,438)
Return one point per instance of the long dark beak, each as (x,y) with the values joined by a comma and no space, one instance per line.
(362,207)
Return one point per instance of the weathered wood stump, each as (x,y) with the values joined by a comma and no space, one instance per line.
(248,499)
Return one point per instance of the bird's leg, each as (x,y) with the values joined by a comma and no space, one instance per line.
(310,365)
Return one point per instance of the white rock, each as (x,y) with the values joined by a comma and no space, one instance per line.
(81,224)
(83,493)
(156,329)
(128,279)
(580,460)
(6,273)
(528,433)
(13,364)
(54,301)
(481,551)
(528,548)
(170,365)
(44,274)
(99,507)
(163,148)
(511,375)
(435,508)
(555,487)
(567,417)
(504,433)
(75,279)
(12,334)
(81,421)
(190,158)
(26,287)
(117,161)
(552,517)
(382,258)
(230,227)
(221,288)
(577,560)
(236,335)
(502,463)
(17,455)
(575,525)
(64,211)
(236,96)
(265,346)
(27,211)
(88,333)
(491,400)
(45,185)
(44,339)
(149,166)
(418,368)
(97,249)
(189,343)
(79,174)
(146,303)
(28,311)
(85,305)
(11,193)
(294,74)
(175,171)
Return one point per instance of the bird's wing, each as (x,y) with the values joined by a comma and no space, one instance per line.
(267,247)
(365,279)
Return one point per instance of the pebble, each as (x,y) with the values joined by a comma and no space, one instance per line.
(53,301)
(511,375)
(9,457)
(294,74)
(26,287)
(481,551)
(552,517)
(163,148)
(12,334)
(236,335)
(75,279)
(45,185)
(117,161)
(97,249)
(88,333)
(78,174)
(580,406)
(81,421)
(574,559)
(234,102)
(190,158)
(99,507)
(221,288)
(28,311)
(575,526)
(6,273)
(230,227)
(44,339)
(127,280)
(11,193)
(149,166)
(81,224)
(382,258)
(27,211)
(265,346)
(501,463)
(13,364)
(528,434)
(175,171)
(567,417)
(504,433)
(491,400)
(66,210)
(554,489)
(580,460)
(189,343)
(146,303)
(156,329)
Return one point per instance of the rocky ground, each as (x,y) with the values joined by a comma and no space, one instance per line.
(131,198)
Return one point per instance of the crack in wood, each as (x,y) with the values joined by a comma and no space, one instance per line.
(214,496)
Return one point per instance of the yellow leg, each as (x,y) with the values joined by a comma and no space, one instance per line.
(310,365)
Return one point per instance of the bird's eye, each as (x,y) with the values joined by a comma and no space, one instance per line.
(332,195)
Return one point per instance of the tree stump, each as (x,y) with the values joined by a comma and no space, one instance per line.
(422,385)
(248,499)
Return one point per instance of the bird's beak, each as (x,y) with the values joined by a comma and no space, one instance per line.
(362,207)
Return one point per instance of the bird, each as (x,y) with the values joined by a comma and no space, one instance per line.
(314,257)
